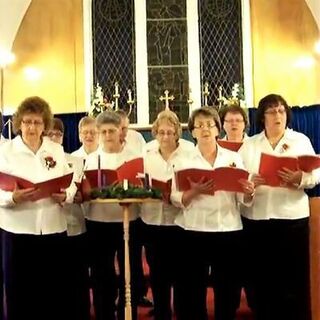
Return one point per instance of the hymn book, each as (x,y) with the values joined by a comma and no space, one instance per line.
(46,188)
(230,145)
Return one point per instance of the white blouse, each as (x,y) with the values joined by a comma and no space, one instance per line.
(217,213)
(160,169)
(39,217)
(279,202)
(109,212)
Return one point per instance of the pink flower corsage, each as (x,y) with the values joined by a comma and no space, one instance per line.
(49,162)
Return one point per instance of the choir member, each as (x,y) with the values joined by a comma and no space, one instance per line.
(159,217)
(88,136)
(234,121)
(105,229)
(212,226)
(34,229)
(277,224)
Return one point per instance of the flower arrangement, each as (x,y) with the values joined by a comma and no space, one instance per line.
(49,162)
(98,102)
(237,97)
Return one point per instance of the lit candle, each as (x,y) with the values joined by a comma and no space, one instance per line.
(129,95)
(125,184)
(99,171)
(116,85)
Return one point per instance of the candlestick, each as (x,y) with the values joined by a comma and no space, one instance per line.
(146,181)
(125,184)
(99,171)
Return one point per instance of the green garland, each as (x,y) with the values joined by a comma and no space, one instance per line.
(117,192)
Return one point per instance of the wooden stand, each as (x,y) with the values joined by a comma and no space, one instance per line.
(125,204)
(315,257)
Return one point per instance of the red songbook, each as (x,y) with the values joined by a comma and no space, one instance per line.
(127,170)
(227,179)
(164,187)
(233,146)
(307,163)
(46,188)
(270,165)
(184,177)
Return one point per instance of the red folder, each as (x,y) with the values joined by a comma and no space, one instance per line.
(307,163)
(46,188)
(127,170)
(183,178)
(270,165)
(233,146)
(227,179)
(164,187)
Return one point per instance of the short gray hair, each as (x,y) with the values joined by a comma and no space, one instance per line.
(108,117)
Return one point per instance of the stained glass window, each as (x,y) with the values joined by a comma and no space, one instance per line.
(114,48)
(167,55)
(220,45)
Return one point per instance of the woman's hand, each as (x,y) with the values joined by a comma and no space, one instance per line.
(59,197)
(248,187)
(258,180)
(78,197)
(24,195)
(290,177)
(201,187)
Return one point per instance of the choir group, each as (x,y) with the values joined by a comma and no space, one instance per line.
(55,248)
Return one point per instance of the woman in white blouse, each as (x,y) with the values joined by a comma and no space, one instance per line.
(212,226)
(34,230)
(276,226)
(105,229)
(159,218)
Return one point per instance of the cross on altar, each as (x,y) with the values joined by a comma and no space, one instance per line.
(206,93)
(116,95)
(166,98)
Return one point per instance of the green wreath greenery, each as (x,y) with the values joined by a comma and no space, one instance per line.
(117,192)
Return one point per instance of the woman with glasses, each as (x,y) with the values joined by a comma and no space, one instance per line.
(34,228)
(105,228)
(159,218)
(276,226)
(211,226)
(88,136)
(234,121)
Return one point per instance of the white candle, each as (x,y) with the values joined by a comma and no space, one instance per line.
(129,95)
(125,184)
(116,88)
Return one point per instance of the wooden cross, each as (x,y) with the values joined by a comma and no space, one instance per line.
(166,98)
(116,95)
(206,93)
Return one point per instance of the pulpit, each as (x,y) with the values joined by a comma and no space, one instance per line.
(315,256)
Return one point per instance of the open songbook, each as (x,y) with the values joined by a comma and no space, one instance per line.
(164,187)
(224,178)
(271,164)
(233,146)
(46,188)
(106,177)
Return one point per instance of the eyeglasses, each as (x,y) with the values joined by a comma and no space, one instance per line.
(202,126)
(274,111)
(29,123)
(168,133)
(234,121)
(57,134)
(90,132)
